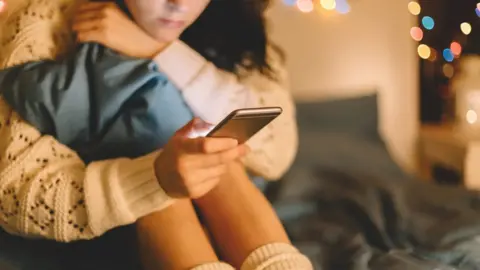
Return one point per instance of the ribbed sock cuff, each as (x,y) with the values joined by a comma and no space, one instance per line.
(277,256)
(214,266)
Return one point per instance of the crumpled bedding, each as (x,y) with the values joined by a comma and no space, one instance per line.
(352,221)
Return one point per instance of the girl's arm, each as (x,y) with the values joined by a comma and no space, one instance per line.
(212,93)
(47,192)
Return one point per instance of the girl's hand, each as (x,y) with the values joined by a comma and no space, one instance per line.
(105,23)
(191,167)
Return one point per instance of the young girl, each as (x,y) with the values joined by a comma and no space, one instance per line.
(197,76)
(205,90)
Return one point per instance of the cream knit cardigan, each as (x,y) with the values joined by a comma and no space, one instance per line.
(46,191)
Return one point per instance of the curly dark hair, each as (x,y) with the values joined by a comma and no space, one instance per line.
(232,34)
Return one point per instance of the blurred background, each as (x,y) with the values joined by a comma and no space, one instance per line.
(409,52)
(348,48)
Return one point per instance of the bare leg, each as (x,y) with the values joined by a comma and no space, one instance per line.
(240,220)
(239,217)
(173,239)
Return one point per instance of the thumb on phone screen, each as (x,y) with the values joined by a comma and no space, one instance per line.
(195,128)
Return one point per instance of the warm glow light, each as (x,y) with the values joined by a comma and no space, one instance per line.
(328,4)
(466,28)
(456,48)
(471,117)
(290,2)
(448,70)
(2,5)
(478,6)
(196,133)
(423,51)
(433,55)
(414,8)
(416,33)
(342,6)
(305,5)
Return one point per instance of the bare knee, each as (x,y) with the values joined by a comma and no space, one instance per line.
(173,238)
(180,208)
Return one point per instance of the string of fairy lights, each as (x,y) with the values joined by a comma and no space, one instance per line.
(341,6)
(306,6)
(427,23)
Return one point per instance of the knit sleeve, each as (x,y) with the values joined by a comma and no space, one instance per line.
(46,191)
(212,93)
(274,148)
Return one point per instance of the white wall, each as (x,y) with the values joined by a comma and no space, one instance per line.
(333,54)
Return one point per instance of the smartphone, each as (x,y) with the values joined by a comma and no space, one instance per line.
(242,124)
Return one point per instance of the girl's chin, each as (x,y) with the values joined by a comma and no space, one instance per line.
(167,36)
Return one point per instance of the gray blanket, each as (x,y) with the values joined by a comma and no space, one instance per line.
(345,219)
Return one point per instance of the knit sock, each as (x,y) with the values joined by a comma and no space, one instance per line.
(277,256)
(214,266)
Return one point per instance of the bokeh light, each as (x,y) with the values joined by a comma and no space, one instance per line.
(342,6)
(2,5)
(478,6)
(477,11)
(448,55)
(448,70)
(328,4)
(428,22)
(305,5)
(456,48)
(423,51)
(416,33)
(433,55)
(290,2)
(466,28)
(414,8)
(471,117)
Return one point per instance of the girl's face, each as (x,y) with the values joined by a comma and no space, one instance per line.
(165,20)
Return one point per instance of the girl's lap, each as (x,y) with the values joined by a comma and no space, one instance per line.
(114,250)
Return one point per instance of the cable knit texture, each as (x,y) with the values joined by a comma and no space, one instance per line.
(277,256)
(35,29)
(46,191)
(214,266)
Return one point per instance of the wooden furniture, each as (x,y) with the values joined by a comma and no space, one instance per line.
(441,145)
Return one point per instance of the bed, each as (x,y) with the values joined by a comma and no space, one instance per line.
(348,205)
(345,203)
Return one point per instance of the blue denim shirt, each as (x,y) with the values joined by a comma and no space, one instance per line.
(99,103)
